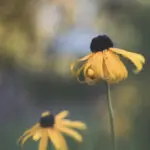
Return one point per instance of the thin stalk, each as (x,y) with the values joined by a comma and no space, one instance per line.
(111,117)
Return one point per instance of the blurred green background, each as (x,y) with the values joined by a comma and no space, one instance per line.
(38,41)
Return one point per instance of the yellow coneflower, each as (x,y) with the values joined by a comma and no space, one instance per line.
(104,63)
(50,128)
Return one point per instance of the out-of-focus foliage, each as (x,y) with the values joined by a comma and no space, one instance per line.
(19,31)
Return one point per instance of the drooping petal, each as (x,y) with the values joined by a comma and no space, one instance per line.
(93,68)
(34,128)
(101,61)
(97,63)
(44,140)
(62,114)
(22,139)
(137,59)
(71,133)
(116,70)
(27,134)
(109,64)
(78,66)
(37,136)
(57,139)
(74,124)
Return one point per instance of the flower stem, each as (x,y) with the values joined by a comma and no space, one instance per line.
(111,117)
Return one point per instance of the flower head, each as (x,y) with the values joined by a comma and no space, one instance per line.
(50,128)
(104,63)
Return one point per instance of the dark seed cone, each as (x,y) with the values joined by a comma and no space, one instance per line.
(47,121)
(101,43)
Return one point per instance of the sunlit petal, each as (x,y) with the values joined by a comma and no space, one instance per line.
(44,140)
(97,64)
(53,137)
(62,114)
(71,133)
(62,141)
(116,69)
(57,140)
(74,124)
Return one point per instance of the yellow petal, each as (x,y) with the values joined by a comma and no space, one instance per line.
(22,139)
(44,140)
(116,70)
(76,71)
(62,141)
(35,127)
(27,134)
(37,136)
(62,114)
(93,68)
(137,59)
(74,124)
(96,62)
(53,137)
(57,139)
(71,133)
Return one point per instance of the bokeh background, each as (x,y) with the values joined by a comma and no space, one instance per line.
(38,41)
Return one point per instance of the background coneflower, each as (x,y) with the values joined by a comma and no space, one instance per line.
(50,128)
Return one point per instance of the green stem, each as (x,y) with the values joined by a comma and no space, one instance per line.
(111,117)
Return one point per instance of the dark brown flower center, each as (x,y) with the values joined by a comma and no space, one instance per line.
(47,121)
(101,43)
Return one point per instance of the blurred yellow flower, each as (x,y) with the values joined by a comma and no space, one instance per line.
(50,128)
(104,63)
